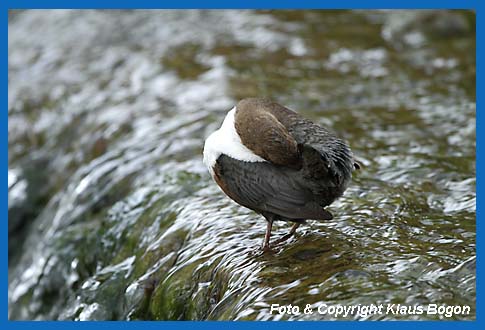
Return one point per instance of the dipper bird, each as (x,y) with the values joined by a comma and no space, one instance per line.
(275,162)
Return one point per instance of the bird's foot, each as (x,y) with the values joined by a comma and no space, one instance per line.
(287,236)
(284,238)
(266,248)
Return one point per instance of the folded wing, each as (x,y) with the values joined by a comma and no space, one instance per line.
(263,187)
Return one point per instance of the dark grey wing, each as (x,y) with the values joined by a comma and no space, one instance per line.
(264,187)
(323,153)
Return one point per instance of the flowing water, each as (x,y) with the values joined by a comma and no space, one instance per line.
(112,214)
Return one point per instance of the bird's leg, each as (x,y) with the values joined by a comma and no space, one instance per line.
(269,225)
(292,231)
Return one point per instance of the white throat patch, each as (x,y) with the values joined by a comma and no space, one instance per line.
(226,141)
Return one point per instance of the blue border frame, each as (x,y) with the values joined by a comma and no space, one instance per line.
(281,4)
(248,4)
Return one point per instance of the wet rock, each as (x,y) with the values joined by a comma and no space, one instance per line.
(412,28)
(30,187)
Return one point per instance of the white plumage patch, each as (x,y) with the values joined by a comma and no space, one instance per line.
(226,141)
